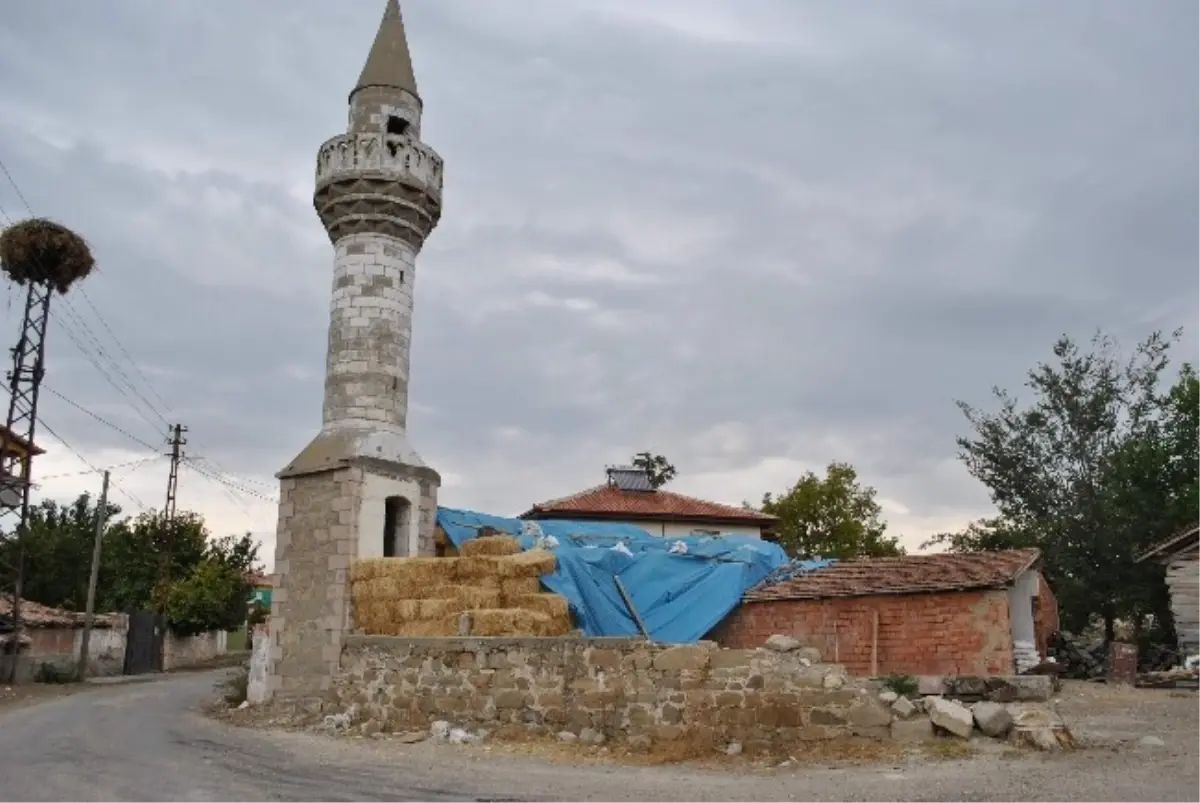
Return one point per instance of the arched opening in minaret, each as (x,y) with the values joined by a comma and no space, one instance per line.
(396,511)
(397,125)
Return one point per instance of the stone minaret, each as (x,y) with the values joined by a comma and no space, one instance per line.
(359,489)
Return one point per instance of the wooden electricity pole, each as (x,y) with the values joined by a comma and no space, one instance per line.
(89,612)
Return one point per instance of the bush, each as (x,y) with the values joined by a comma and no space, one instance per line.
(236,688)
(903,685)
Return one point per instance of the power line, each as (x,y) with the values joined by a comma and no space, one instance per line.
(124,351)
(141,505)
(225,489)
(102,420)
(131,464)
(20,194)
(86,332)
(228,483)
(229,474)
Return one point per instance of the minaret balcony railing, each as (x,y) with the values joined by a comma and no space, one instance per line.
(397,157)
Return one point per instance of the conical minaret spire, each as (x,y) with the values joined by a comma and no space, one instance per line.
(389,64)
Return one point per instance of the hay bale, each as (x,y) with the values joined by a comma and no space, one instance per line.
(510,622)
(507,622)
(533,563)
(443,546)
(516,586)
(496,545)
(41,251)
(439,628)
(553,605)
(365,569)
(475,568)
(481,595)
(409,578)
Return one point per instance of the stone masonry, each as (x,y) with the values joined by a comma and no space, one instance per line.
(359,488)
(627,690)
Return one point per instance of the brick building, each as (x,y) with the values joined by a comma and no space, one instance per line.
(628,498)
(982,613)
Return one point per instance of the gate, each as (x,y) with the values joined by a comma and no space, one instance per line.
(143,643)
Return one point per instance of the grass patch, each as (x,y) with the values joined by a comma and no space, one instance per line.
(237,640)
(948,749)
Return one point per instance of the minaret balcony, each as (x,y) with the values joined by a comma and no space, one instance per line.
(397,157)
(377,182)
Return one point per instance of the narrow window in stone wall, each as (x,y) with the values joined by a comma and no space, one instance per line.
(391,511)
(395,526)
(397,125)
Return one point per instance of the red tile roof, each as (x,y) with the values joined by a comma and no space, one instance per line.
(34,614)
(1172,543)
(911,574)
(608,502)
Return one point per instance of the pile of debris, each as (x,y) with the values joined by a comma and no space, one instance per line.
(1079,657)
(491,589)
(1169,679)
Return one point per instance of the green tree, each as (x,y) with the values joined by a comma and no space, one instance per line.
(1080,470)
(657,467)
(134,550)
(833,517)
(58,555)
(58,551)
(216,592)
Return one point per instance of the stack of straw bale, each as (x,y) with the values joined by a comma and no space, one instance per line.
(491,579)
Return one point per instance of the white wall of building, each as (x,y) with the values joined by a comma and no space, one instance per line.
(375,491)
(1020,617)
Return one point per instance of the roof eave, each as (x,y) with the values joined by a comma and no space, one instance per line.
(1182,540)
(537,512)
(888,593)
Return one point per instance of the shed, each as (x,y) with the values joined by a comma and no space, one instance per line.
(1180,553)
(978,613)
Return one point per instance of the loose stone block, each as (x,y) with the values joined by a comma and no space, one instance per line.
(950,716)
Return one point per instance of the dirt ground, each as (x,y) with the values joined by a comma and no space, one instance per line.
(29,693)
(141,741)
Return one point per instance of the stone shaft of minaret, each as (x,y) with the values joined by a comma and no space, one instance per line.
(378,193)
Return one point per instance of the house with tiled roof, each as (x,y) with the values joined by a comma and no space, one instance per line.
(627,497)
(972,613)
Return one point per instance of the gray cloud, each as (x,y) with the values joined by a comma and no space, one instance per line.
(755,237)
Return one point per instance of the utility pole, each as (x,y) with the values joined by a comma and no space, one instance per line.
(177,444)
(89,612)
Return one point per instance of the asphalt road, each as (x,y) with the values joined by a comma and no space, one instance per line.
(144,742)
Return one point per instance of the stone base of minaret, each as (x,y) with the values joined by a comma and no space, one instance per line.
(337,503)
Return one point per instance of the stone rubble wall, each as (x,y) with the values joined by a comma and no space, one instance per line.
(627,690)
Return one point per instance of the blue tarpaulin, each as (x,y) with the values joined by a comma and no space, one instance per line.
(681,587)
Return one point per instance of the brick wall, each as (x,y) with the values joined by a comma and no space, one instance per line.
(963,632)
(1045,616)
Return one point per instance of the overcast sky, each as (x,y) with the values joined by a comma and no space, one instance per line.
(754,236)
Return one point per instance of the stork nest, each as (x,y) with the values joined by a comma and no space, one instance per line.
(41,251)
